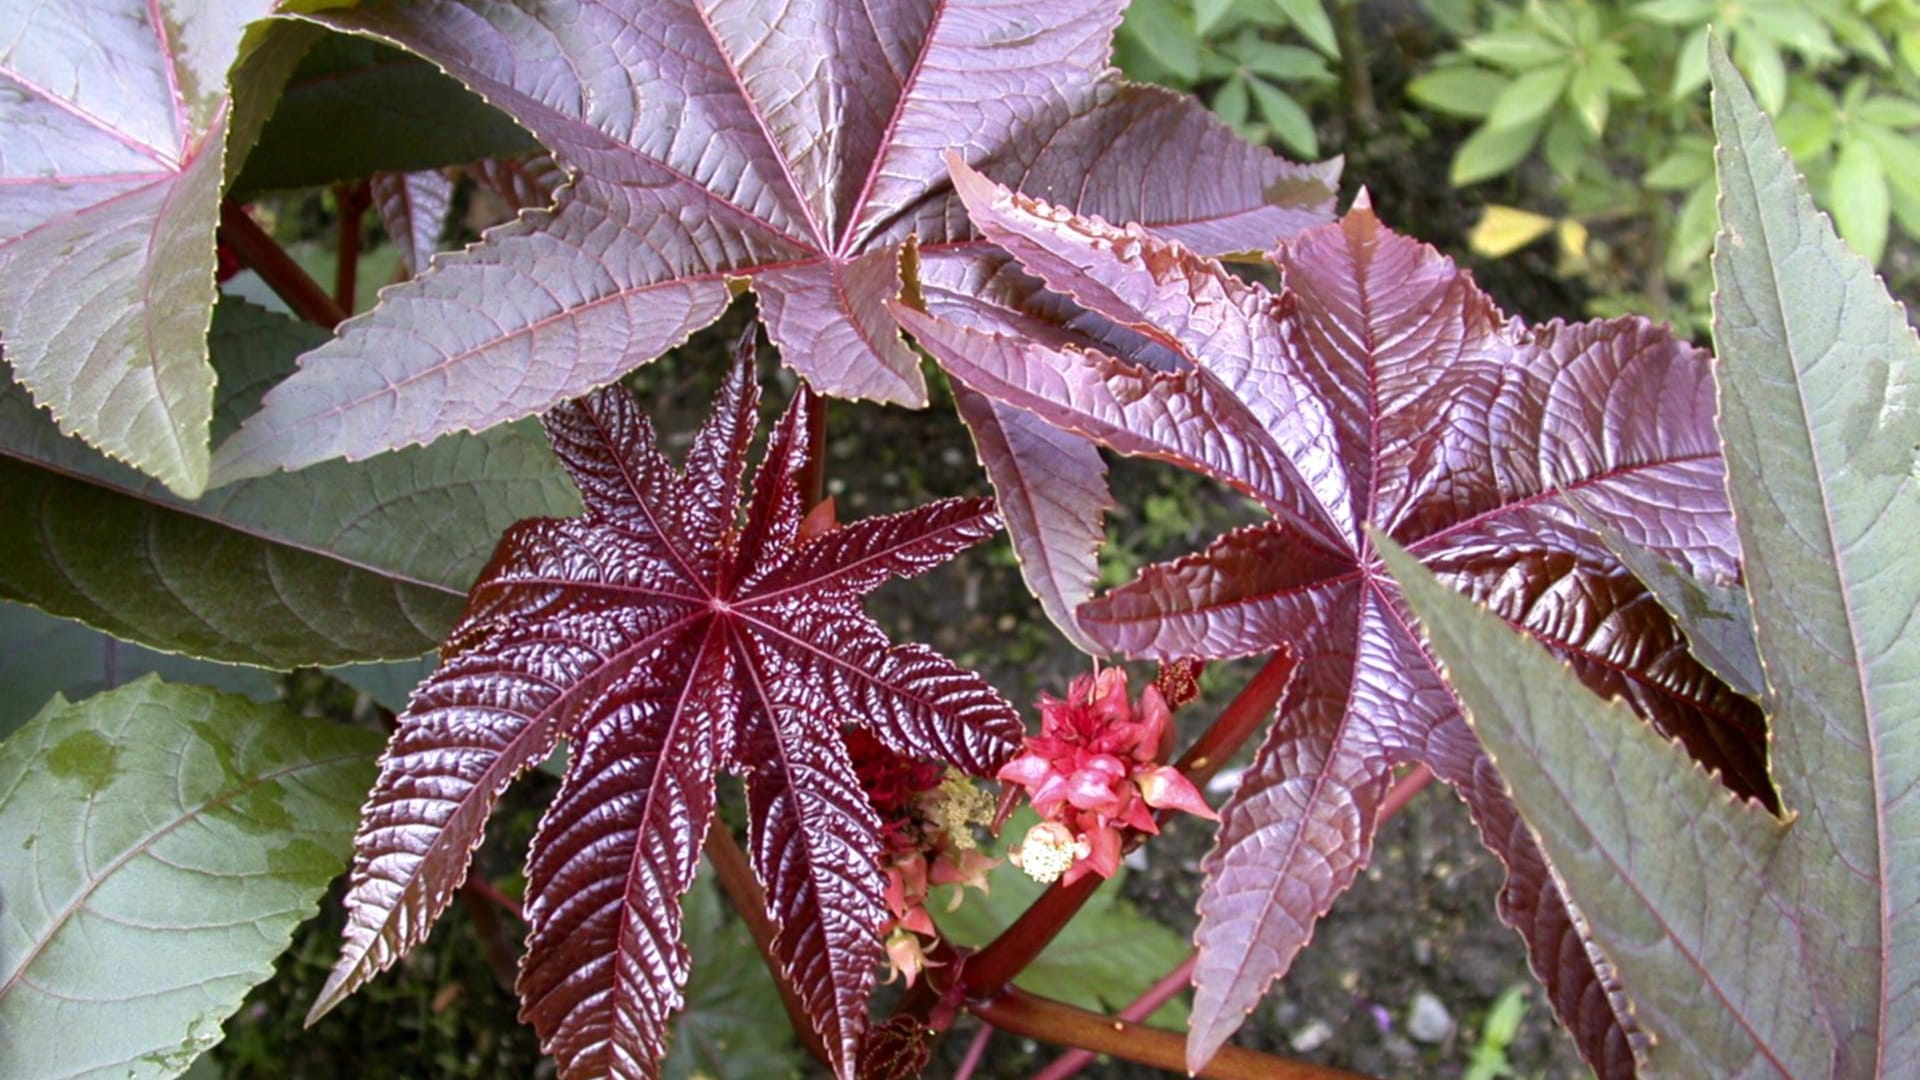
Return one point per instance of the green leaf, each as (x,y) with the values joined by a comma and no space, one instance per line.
(1529,98)
(1490,151)
(1675,12)
(335,564)
(1688,166)
(1310,18)
(1762,62)
(1690,65)
(1163,29)
(1857,192)
(1107,956)
(1208,13)
(1889,112)
(163,842)
(1458,91)
(1289,121)
(41,656)
(1230,102)
(1660,858)
(1516,50)
(1589,93)
(355,107)
(1820,404)
(1286,62)
(733,1026)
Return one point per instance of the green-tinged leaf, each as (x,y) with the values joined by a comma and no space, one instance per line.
(1890,112)
(1529,98)
(1762,62)
(1458,91)
(1662,860)
(336,564)
(1516,50)
(1290,123)
(1590,95)
(1675,12)
(1688,166)
(1105,958)
(162,843)
(1857,192)
(355,107)
(41,656)
(1690,65)
(1208,13)
(733,1027)
(1820,414)
(1164,29)
(1289,63)
(114,117)
(1491,151)
(1716,618)
(1230,103)
(1310,18)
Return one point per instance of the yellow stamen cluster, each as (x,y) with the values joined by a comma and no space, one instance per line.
(956,806)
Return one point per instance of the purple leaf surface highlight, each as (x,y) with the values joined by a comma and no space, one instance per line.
(1376,387)
(667,641)
(797,149)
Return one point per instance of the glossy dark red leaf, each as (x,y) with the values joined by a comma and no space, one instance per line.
(1377,386)
(667,639)
(797,147)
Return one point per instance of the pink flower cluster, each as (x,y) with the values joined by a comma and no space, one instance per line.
(1092,771)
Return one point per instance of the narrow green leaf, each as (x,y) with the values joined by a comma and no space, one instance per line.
(1491,151)
(1166,32)
(1458,91)
(1529,98)
(163,842)
(41,656)
(1662,860)
(1290,123)
(1515,50)
(1820,404)
(335,564)
(1675,12)
(1762,62)
(1310,18)
(1857,191)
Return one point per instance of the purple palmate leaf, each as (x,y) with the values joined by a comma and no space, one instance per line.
(668,641)
(796,147)
(1378,387)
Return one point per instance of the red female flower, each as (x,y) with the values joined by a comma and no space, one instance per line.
(1093,770)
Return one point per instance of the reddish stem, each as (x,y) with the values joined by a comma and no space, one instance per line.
(486,890)
(264,256)
(1035,1017)
(352,201)
(976,1050)
(812,480)
(1170,984)
(1402,792)
(736,878)
(1249,709)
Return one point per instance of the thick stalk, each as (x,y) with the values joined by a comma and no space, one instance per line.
(1021,1013)
(1356,82)
(493,938)
(1069,1064)
(736,879)
(264,256)
(1402,792)
(813,476)
(351,200)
